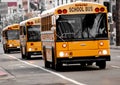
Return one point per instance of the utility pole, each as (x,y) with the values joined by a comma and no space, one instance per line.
(117,22)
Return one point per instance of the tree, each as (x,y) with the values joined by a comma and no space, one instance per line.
(42,5)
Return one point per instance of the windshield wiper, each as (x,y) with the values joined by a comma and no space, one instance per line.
(67,35)
(60,38)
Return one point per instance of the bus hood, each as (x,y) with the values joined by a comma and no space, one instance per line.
(90,45)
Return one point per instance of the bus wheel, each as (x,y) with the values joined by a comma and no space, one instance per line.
(53,59)
(8,51)
(23,56)
(46,63)
(4,49)
(53,65)
(23,53)
(28,56)
(101,64)
(58,66)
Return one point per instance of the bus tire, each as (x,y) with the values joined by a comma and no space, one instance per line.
(101,64)
(53,59)
(55,65)
(28,56)
(46,63)
(22,53)
(8,51)
(4,49)
(58,67)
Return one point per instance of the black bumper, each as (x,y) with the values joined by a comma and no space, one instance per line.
(35,53)
(83,59)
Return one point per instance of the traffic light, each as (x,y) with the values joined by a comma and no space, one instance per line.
(107,4)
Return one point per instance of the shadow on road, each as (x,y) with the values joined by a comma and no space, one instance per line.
(73,68)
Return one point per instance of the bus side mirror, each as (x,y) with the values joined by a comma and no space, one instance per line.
(110,19)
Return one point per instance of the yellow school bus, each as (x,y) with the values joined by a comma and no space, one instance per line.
(30,41)
(75,33)
(10,38)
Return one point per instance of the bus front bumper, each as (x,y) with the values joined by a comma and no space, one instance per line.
(35,53)
(14,48)
(83,59)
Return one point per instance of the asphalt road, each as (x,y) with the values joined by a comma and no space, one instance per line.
(32,72)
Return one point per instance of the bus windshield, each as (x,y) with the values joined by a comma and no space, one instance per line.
(33,33)
(82,26)
(12,34)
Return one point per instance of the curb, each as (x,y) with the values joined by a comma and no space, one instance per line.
(115,47)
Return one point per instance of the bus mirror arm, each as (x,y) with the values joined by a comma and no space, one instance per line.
(60,37)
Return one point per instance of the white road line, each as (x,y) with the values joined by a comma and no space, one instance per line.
(55,73)
(115,66)
(118,56)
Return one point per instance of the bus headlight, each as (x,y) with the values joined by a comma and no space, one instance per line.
(100,52)
(61,54)
(64,45)
(10,45)
(30,49)
(101,43)
(104,52)
(18,46)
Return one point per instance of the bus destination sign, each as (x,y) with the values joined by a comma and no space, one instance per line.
(81,8)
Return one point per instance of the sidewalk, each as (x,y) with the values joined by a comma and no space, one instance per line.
(114,47)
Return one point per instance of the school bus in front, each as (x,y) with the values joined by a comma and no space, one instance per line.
(10,38)
(75,33)
(30,41)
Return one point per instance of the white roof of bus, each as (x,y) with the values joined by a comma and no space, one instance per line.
(51,11)
(23,22)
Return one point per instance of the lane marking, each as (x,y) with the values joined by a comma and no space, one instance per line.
(55,73)
(115,66)
(118,56)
